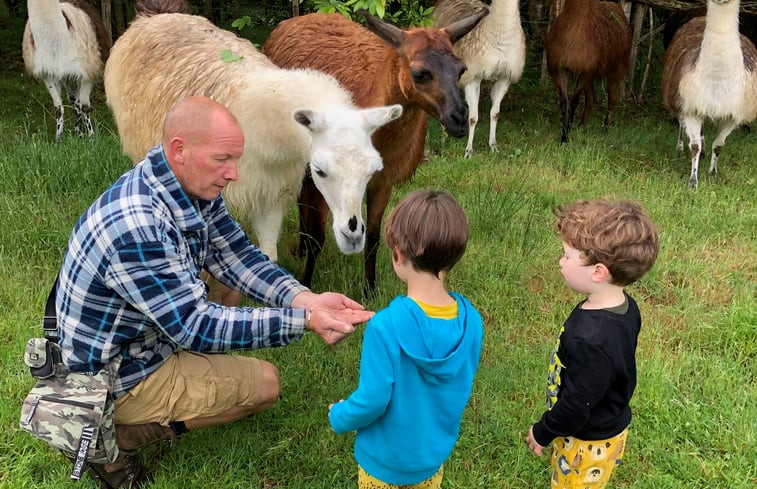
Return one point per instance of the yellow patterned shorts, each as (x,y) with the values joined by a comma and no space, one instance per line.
(585,464)
(367,481)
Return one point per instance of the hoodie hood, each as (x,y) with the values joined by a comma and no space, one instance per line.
(438,347)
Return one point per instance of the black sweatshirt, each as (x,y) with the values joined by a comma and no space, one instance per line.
(593,375)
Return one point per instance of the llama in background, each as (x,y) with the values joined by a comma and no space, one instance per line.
(589,40)
(710,72)
(65,44)
(494,50)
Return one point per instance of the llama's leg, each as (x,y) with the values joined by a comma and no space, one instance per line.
(681,131)
(575,100)
(723,131)
(560,80)
(72,93)
(693,131)
(498,93)
(314,213)
(82,106)
(377,196)
(266,223)
(472,92)
(588,88)
(53,87)
(614,83)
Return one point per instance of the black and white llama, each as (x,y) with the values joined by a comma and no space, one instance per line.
(65,45)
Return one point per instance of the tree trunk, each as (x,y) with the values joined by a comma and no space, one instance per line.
(105,11)
(207,9)
(120,16)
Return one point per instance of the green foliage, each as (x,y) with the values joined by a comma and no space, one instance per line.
(400,12)
(242,22)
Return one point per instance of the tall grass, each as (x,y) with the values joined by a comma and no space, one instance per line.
(694,407)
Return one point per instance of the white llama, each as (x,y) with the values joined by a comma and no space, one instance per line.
(65,44)
(494,50)
(710,73)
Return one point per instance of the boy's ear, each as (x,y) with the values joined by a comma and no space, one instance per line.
(398,257)
(600,273)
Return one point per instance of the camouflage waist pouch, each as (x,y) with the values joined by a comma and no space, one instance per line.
(75,414)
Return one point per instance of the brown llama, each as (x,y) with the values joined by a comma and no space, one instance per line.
(147,8)
(589,40)
(385,65)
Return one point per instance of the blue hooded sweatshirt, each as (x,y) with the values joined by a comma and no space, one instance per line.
(416,374)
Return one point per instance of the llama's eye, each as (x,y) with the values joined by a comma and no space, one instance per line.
(421,76)
(319,172)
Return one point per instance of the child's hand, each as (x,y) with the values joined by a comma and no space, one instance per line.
(332,404)
(533,445)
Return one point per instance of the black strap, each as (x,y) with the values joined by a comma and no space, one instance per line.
(50,320)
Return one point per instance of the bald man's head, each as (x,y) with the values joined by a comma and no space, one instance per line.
(193,118)
(202,141)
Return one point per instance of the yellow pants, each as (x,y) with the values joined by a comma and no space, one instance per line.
(367,481)
(585,464)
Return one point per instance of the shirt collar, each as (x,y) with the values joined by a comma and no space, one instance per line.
(186,212)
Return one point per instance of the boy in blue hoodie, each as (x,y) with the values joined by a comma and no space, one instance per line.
(420,354)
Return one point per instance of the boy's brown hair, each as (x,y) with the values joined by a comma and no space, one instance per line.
(617,234)
(430,229)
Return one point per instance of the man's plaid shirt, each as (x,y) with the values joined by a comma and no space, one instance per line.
(130,280)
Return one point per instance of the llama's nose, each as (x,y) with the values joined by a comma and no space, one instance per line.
(457,125)
(355,235)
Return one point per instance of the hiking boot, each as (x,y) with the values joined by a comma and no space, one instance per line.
(132,437)
(125,473)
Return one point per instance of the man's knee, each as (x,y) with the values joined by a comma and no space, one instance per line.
(270,385)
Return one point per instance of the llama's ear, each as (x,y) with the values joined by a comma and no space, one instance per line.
(463,26)
(311,119)
(391,34)
(376,117)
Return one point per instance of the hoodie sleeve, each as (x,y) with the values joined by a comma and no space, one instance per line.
(374,390)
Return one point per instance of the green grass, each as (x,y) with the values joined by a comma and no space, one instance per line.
(694,406)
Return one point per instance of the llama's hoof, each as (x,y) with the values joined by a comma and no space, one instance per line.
(693,182)
(494,148)
(468,153)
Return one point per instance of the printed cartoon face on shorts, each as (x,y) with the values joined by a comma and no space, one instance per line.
(593,474)
(598,451)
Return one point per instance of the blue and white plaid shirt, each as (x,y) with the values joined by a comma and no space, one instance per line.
(130,280)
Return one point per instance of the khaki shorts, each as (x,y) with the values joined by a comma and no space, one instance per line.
(192,385)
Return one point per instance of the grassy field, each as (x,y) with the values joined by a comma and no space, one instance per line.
(694,406)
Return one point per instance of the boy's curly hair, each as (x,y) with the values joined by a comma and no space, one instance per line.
(430,229)
(617,234)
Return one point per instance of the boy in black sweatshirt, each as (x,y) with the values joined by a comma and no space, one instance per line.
(592,371)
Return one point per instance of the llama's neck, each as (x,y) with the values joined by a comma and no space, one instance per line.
(46,15)
(503,12)
(721,43)
(722,19)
